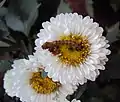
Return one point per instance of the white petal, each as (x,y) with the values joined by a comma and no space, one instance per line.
(93,75)
(74,100)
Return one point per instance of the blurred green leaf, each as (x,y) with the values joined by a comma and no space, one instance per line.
(2,3)
(3,30)
(115,4)
(80,91)
(22,15)
(3,11)
(5,65)
(14,22)
(14,47)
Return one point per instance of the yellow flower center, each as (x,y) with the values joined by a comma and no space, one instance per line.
(72,49)
(43,85)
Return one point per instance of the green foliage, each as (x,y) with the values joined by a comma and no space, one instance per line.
(5,65)
(3,30)
(21,15)
(16,20)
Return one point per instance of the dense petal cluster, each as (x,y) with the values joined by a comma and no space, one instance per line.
(74,48)
(17,83)
(70,50)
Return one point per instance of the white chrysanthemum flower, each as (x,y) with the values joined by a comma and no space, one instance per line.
(74,48)
(27,82)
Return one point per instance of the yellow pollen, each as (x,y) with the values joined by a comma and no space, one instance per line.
(71,49)
(43,85)
(73,56)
